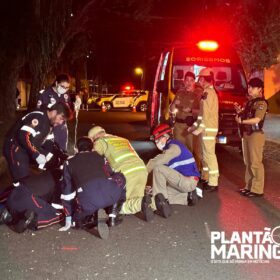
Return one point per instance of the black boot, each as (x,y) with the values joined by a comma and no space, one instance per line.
(114,216)
(5,216)
(29,221)
(162,205)
(146,208)
(192,198)
(102,226)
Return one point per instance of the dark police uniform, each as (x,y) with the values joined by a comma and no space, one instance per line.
(35,194)
(86,181)
(253,143)
(23,142)
(46,100)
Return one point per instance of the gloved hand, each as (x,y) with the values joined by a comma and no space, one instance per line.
(68,223)
(41,159)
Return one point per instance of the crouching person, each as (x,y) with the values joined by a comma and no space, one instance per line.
(87,189)
(175,174)
(28,206)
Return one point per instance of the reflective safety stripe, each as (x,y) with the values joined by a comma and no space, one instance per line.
(214,172)
(205,168)
(202,125)
(211,129)
(182,162)
(50,136)
(134,169)
(195,124)
(30,130)
(123,156)
(208,137)
(17,184)
(68,196)
(38,112)
(79,190)
(199,117)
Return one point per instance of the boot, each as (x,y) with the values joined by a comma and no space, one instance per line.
(146,208)
(102,227)
(29,221)
(192,198)
(114,216)
(5,216)
(162,205)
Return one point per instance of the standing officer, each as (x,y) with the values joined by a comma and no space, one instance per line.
(23,143)
(252,119)
(175,174)
(85,180)
(123,158)
(58,92)
(182,106)
(207,126)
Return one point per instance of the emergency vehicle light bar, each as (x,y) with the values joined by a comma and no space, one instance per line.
(208,46)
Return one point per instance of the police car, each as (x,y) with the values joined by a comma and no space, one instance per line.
(119,101)
(140,101)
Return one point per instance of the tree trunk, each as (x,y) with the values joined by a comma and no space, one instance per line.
(37,84)
(9,74)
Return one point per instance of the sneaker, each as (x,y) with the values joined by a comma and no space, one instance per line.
(102,227)
(5,216)
(162,205)
(146,208)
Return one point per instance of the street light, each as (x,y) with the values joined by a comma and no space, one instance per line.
(139,71)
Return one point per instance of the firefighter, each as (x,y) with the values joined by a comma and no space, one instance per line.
(123,158)
(207,127)
(85,180)
(23,143)
(29,205)
(251,120)
(175,174)
(186,106)
(58,92)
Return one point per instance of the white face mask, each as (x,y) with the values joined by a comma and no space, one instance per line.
(61,90)
(160,146)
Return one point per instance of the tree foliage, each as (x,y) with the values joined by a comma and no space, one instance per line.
(257,27)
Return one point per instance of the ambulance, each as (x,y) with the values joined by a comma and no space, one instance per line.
(230,83)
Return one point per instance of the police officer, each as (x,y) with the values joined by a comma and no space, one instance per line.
(251,120)
(123,158)
(207,127)
(23,143)
(58,92)
(84,179)
(175,174)
(186,106)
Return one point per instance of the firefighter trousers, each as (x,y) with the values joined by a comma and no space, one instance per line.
(209,159)
(253,155)
(135,188)
(172,184)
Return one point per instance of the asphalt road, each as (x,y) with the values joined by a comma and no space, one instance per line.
(175,248)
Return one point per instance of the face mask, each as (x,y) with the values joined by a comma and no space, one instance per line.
(61,90)
(160,146)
